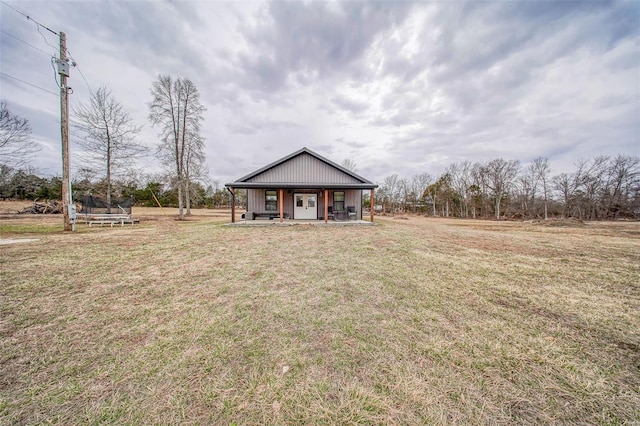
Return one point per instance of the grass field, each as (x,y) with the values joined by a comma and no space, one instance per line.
(408,322)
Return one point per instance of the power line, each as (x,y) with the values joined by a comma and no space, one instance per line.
(38,24)
(30,84)
(75,65)
(43,37)
(27,43)
(85,80)
(28,17)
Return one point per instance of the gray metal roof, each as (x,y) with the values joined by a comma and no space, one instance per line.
(300,185)
(303,169)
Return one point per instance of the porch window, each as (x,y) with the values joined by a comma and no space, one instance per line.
(338,201)
(271,201)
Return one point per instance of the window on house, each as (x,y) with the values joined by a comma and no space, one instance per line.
(271,201)
(338,201)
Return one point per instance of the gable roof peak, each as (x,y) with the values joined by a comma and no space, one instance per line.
(311,153)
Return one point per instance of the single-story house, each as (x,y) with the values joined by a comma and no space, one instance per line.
(303,185)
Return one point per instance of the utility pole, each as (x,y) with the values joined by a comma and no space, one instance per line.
(63,70)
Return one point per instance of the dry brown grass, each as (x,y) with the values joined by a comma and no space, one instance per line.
(409,322)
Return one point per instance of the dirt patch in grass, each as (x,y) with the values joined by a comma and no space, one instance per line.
(4,241)
(568,222)
(414,321)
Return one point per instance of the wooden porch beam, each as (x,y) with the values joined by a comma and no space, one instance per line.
(233,204)
(326,205)
(281,199)
(372,204)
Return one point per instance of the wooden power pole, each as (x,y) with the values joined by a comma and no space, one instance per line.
(63,70)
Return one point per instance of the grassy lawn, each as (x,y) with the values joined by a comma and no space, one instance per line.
(409,322)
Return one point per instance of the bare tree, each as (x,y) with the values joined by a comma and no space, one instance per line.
(542,169)
(176,108)
(567,185)
(389,193)
(404,193)
(349,164)
(108,134)
(460,174)
(525,192)
(526,189)
(194,169)
(419,184)
(16,144)
(592,173)
(500,174)
(622,184)
(600,188)
(479,189)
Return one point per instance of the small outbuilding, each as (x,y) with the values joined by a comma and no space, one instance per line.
(303,186)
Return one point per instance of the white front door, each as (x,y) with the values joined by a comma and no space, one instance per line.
(304,206)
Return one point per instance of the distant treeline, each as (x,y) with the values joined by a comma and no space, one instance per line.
(27,184)
(601,188)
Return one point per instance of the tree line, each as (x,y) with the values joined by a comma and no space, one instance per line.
(600,188)
(146,190)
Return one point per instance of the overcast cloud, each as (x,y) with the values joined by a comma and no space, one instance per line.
(397,87)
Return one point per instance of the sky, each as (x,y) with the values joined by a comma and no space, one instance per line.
(396,87)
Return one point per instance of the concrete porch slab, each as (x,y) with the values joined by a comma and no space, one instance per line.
(291,222)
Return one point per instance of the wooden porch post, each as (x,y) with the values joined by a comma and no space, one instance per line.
(233,205)
(373,204)
(281,205)
(326,205)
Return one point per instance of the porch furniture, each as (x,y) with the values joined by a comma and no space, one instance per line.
(340,215)
(270,215)
(351,213)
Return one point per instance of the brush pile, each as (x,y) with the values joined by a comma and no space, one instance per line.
(48,207)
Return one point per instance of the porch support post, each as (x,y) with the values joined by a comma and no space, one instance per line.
(233,204)
(373,204)
(326,205)
(281,205)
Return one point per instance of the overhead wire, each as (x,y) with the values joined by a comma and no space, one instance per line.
(30,84)
(53,57)
(44,38)
(25,42)
(29,18)
(76,66)
(85,80)
(38,24)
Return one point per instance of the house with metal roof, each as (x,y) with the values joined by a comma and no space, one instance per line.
(303,186)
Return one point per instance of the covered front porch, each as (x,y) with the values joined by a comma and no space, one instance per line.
(335,204)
